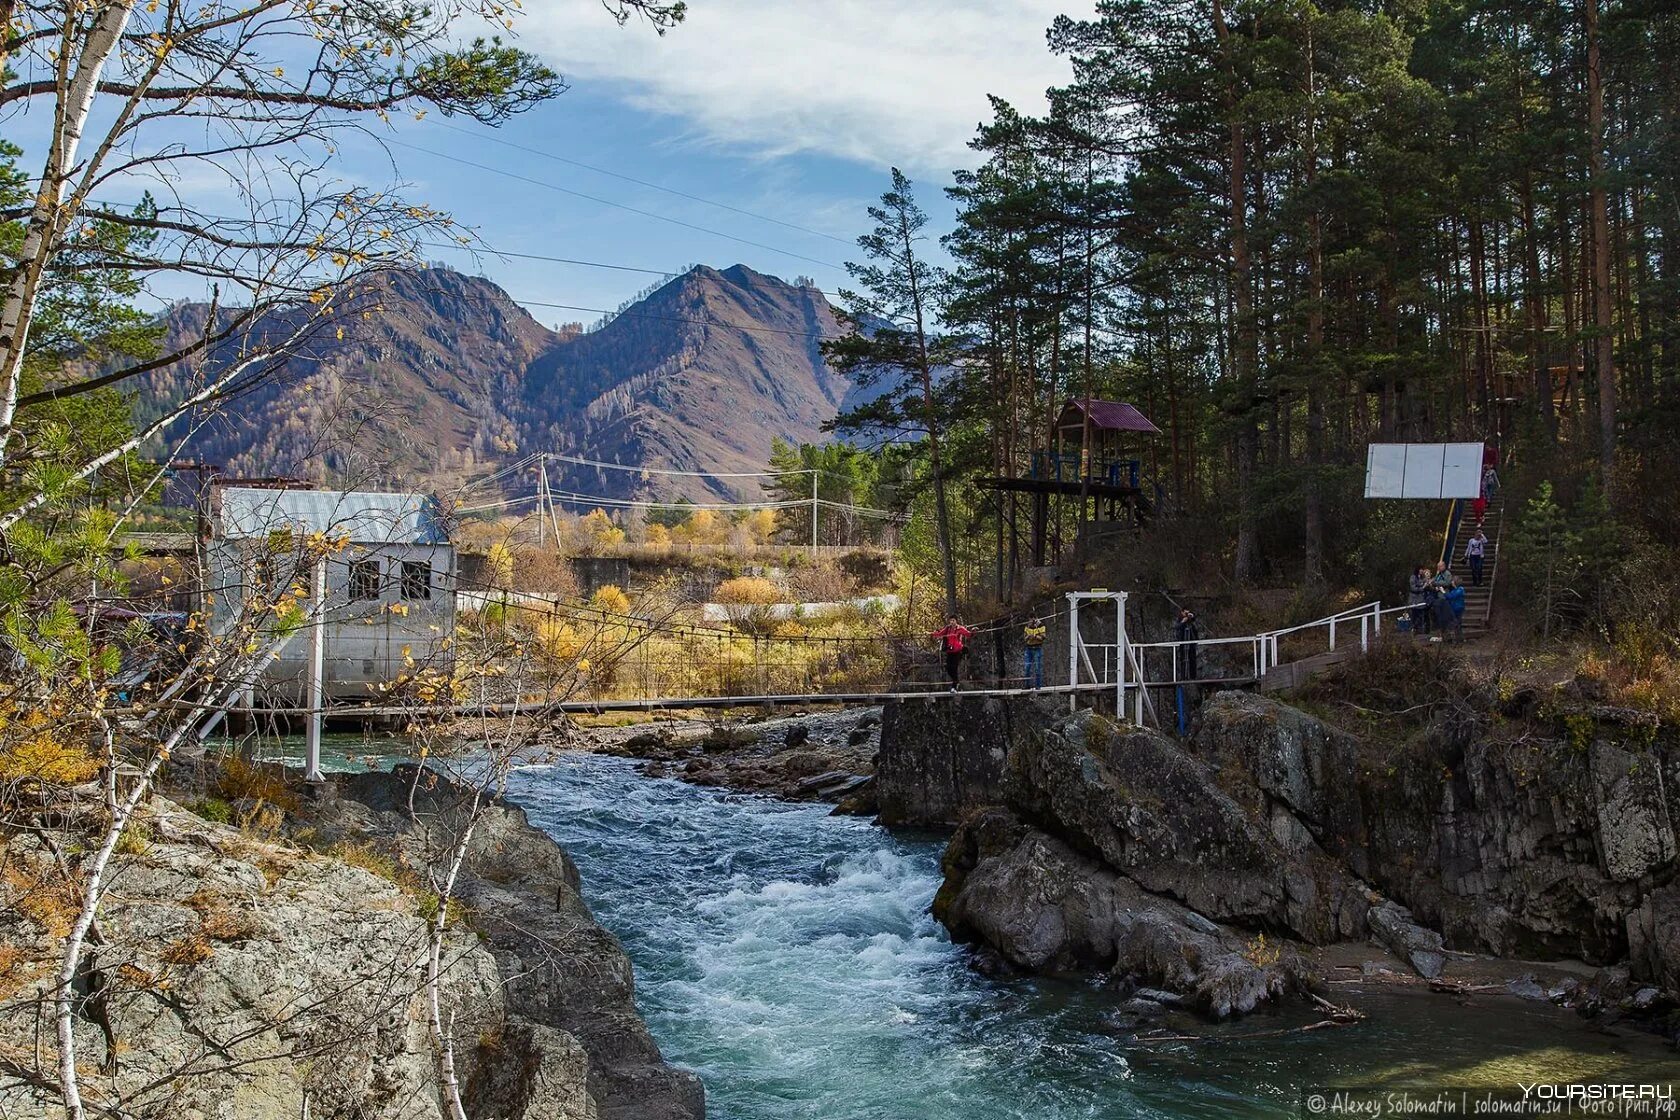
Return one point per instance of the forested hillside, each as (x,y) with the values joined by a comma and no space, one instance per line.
(430,376)
(1286,229)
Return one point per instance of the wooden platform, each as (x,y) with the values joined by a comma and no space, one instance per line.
(1071,487)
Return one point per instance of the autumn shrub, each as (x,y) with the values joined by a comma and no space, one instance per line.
(239,779)
(34,747)
(213,809)
(610,598)
(184,952)
(748,600)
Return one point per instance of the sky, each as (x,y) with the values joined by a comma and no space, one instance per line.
(787,109)
(755,132)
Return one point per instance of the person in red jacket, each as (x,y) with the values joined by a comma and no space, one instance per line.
(953,639)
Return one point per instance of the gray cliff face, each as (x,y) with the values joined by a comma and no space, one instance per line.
(1548,848)
(1093,846)
(243,975)
(947,759)
(562,973)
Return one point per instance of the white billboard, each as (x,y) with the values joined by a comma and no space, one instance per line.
(1423,470)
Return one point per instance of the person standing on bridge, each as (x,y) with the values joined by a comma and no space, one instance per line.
(1032,645)
(1187,633)
(953,639)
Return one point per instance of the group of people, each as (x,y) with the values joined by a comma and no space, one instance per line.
(1437,602)
(1490,490)
(953,642)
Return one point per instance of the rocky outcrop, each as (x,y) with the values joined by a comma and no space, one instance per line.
(940,761)
(240,978)
(825,757)
(1531,846)
(1157,814)
(1042,906)
(259,972)
(1093,836)
(563,974)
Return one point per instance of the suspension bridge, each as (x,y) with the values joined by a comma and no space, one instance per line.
(1104,667)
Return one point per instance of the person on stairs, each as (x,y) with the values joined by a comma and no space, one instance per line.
(1475,551)
(953,639)
(1032,646)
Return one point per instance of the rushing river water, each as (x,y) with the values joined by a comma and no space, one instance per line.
(789,958)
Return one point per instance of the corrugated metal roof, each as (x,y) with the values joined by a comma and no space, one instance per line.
(1112,415)
(365,517)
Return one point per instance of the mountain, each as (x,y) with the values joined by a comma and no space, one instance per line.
(703,373)
(438,377)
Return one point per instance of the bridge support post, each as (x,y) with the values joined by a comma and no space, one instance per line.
(1073,649)
(317,666)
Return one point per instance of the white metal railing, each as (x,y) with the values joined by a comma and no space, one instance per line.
(1109,662)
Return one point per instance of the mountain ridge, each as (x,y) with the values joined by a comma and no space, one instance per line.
(447,378)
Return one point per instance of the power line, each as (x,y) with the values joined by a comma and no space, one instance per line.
(609,202)
(585,264)
(668,471)
(643,183)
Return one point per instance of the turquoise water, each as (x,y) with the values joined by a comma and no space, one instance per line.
(788,957)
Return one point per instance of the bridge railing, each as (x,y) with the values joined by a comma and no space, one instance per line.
(1164,663)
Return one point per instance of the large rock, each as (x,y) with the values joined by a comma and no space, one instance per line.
(1044,907)
(1636,837)
(1152,811)
(1306,766)
(241,978)
(941,760)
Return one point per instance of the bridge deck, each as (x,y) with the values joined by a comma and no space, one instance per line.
(670,703)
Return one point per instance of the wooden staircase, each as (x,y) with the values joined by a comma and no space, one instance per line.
(1478,601)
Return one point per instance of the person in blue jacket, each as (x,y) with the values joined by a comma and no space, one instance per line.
(1455,600)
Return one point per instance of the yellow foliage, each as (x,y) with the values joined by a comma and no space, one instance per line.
(610,598)
(762,525)
(747,591)
(44,758)
(658,536)
(498,563)
(599,531)
(703,527)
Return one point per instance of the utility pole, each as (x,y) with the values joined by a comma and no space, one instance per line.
(542,498)
(814,477)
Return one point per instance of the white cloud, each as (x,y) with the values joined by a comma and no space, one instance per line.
(879,81)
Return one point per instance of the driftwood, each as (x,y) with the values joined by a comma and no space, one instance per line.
(1462,987)
(1336,1016)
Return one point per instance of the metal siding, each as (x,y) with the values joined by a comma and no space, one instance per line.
(365,517)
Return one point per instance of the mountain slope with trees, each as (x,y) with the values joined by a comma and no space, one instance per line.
(436,377)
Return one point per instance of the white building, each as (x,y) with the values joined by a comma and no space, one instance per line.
(390,588)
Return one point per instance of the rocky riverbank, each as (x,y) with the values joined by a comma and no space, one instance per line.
(1242,864)
(825,756)
(275,966)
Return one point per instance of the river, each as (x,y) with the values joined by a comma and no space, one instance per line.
(789,958)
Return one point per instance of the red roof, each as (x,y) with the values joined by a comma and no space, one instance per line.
(1114,416)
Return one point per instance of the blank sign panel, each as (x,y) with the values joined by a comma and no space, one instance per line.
(1423,470)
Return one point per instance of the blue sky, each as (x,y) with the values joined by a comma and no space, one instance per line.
(787,109)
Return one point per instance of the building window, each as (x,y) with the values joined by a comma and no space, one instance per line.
(364,580)
(416,580)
